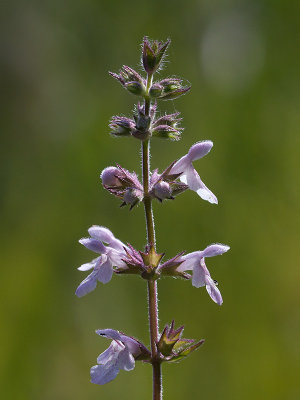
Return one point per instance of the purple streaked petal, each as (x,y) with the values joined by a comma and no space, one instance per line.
(105,235)
(215,250)
(180,165)
(198,279)
(88,266)
(116,258)
(87,285)
(110,334)
(109,177)
(126,360)
(101,233)
(93,244)
(194,182)
(132,344)
(189,260)
(213,291)
(110,355)
(105,272)
(207,194)
(101,374)
(199,150)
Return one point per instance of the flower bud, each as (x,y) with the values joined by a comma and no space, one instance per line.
(168,119)
(172,88)
(166,132)
(131,80)
(110,177)
(135,88)
(153,54)
(155,90)
(142,122)
(122,184)
(162,191)
(121,126)
(132,197)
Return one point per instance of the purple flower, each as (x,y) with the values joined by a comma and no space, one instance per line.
(121,354)
(201,277)
(189,175)
(110,256)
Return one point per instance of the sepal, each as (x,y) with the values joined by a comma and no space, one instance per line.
(170,267)
(150,257)
(184,348)
(173,347)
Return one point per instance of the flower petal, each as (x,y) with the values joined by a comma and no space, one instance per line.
(88,266)
(133,345)
(200,149)
(109,333)
(87,285)
(189,260)
(93,244)
(116,258)
(213,291)
(105,272)
(180,165)
(191,178)
(198,279)
(126,360)
(215,250)
(101,374)
(111,354)
(105,235)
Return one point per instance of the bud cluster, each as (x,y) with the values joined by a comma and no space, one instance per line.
(144,125)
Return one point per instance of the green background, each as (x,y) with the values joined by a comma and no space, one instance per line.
(242,58)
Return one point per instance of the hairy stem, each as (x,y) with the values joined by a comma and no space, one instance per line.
(152,284)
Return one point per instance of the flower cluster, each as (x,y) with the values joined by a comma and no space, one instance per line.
(178,177)
(116,258)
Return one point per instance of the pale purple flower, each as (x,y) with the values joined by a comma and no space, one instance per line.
(111,177)
(111,255)
(189,175)
(201,277)
(121,354)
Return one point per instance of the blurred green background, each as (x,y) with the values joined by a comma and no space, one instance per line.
(242,58)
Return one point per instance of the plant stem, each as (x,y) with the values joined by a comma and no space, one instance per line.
(152,284)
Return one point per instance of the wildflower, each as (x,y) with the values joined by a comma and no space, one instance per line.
(201,277)
(121,354)
(110,256)
(189,175)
